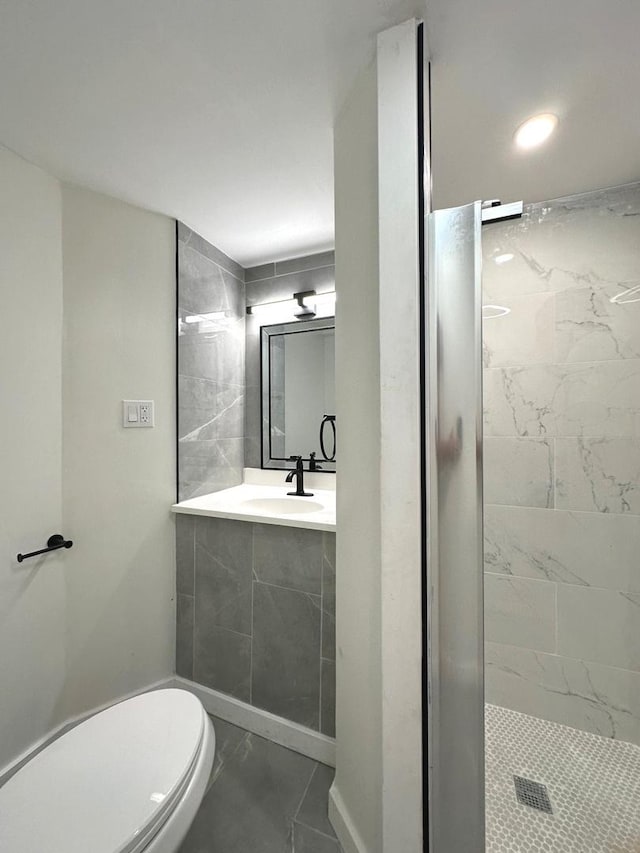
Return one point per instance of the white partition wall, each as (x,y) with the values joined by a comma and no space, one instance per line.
(376,799)
(400,138)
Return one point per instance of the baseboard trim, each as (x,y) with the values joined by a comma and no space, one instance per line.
(279,730)
(348,835)
(13,766)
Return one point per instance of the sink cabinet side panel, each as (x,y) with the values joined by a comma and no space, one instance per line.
(256,615)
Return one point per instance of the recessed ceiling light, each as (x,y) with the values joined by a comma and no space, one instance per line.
(631,294)
(490,312)
(535,130)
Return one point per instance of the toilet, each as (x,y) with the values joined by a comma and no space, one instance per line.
(127,780)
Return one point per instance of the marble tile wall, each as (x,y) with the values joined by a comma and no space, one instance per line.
(211,382)
(562,462)
(266,283)
(256,615)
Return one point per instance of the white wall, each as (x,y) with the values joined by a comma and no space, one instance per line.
(376,799)
(119,332)
(400,447)
(32,594)
(356,795)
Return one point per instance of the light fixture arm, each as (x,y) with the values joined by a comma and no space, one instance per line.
(302,303)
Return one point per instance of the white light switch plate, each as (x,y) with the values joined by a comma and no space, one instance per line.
(137,414)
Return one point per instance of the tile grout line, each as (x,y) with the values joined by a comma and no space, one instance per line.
(559,583)
(549,364)
(564,657)
(313,829)
(288,588)
(284,274)
(306,790)
(600,513)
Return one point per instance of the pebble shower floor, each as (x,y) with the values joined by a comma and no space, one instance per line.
(593,784)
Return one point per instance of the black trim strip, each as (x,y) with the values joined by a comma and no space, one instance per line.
(424,149)
(177,342)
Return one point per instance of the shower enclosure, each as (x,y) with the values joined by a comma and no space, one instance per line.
(534,664)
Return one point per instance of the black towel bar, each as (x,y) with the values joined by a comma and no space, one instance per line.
(53,544)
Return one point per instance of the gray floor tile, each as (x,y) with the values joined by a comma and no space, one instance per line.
(251,803)
(228,739)
(307,840)
(313,809)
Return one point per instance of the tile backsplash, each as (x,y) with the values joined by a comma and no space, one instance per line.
(562,462)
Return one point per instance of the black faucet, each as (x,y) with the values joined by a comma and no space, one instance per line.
(298,473)
(313,463)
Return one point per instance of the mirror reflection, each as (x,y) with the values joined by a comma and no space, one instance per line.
(298,394)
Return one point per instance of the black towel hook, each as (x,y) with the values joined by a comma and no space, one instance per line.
(54,543)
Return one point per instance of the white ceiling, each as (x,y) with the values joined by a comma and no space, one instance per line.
(217,112)
(220,112)
(497,62)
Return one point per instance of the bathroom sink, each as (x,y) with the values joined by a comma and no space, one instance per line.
(282,506)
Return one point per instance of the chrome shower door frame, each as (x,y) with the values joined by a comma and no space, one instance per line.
(453,520)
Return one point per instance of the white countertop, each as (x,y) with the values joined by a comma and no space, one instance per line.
(243,504)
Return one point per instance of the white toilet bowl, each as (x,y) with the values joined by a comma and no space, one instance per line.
(128,780)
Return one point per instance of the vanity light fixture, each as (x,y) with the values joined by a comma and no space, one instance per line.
(535,130)
(303,304)
(504,258)
(328,298)
(279,307)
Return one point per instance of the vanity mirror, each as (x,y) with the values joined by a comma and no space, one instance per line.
(298,394)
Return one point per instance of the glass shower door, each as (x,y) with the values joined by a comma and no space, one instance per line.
(453,503)
(562,525)
(559,461)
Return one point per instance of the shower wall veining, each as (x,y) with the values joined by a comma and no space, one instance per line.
(255,602)
(562,462)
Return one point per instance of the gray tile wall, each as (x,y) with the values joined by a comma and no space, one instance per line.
(210,368)
(266,283)
(256,615)
(562,462)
